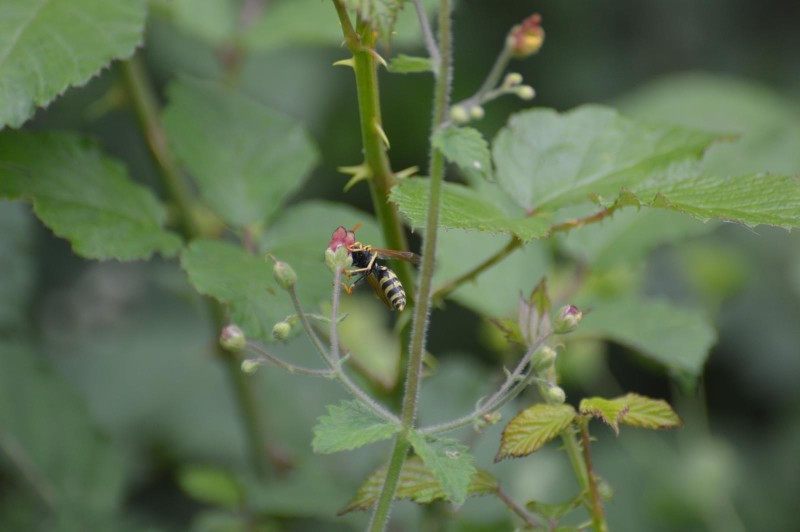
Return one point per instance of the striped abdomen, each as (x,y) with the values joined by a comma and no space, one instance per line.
(390,286)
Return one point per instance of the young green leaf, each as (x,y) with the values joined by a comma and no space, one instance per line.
(449,461)
(417,483)
(406,64)
(532,428)
(212,485)
(84,196)
(245,282)
(50,45)
(648,413)
(247,159)
(554,511)
(547,159)
(350,425)
(679,338)
(611,411)
(463,208)
(466,148)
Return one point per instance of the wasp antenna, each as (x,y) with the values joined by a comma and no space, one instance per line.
(359,224)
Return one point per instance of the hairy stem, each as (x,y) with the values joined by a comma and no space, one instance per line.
(145,106)
(422,308)
(516,508)
(427,33)
(596,506)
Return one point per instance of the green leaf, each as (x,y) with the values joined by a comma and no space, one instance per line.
(381,14)
(51,447)
(214,21)
(417,483)
(212,485)
(532,428)
(244,282)
(406,64)
(463,208)
(247,159)
(555,511)
(84,196)
(466,148)
(679,338)
(547,159)
(611,411)
(17,263)
(449,461)
(50,45)
(648,413)
(350,425)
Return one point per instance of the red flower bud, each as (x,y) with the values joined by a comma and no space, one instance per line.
(527,38)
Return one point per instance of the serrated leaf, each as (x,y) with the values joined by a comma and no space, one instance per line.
(350,425)
(648,413)
(532,428)
(547,159)
(49,45)
(554,511)
(417,483)
(212,485)
(677,337)
(449,461)
(381,14)
(466,148)
(611,411)
(247,159)
(84,196)
(51,447)
(463,208)
(244,282)
(406,64)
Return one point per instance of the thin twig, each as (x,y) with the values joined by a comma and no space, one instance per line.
(427,34)
(337,290)
(264,357)
(516,508)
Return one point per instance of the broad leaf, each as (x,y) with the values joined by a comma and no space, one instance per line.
(463,208)
(50,446)
(49,45)
(247,159)
(466,148)
(350,425)
(214,21)
(417,483)
(532,428)
(547,159)
(648,413)
(244,282)
(611,411)
(84,196)
(679,338)
(406,64)
(449,461)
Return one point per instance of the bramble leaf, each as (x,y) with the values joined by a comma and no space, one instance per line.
(50,45)
(648,413)
(611,411)
(466,148)
(247,159)
(532,428)
(350,425)
(406,64)
(417,483)
(449,461)
(547,159)
(84,196)
(463,208)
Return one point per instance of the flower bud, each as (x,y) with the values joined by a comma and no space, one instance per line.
(232,338)
(492,418)
(567,319)
(459,115)
(284,274)
(249,365)
(554,394)
(512,79)
(525,92)
(281,330)
(476,112)
(544,358)
(527,38)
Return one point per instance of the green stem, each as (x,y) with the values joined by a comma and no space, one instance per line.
(422,308)
(145,106)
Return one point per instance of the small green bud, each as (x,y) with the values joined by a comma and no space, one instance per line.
(492,418)
(284,274)
(281,330)
(544,358)
(525,92)
(555,394)
(338,258)
(512,79)
(232,338)
(476,112)
(459,115)
(567,320)
(604,489)
(249,365)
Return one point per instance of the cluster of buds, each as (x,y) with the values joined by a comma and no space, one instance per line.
(526,39)
(512,84)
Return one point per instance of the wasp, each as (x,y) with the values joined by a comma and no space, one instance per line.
(366,262)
